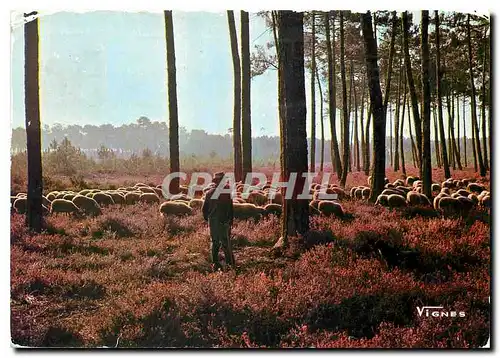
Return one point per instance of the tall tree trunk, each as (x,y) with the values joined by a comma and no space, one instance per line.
(238,168)
(312,166)
(396,121)
(361,124)
(281,102)
(32,120)
(483,103)
(173,119)
(490,72)
(356,136)
(322,148)
(392,51)
(456,153)
(246,121)
(295,218)
(436,137)
(345,114)
(403,167)
(458,127)
(367,160)
(351,132)
(477,145)
(335,155)
(412,140)
(379,130)
(390,135)
(444,153)
(413,92)
(465,132)
(426,108)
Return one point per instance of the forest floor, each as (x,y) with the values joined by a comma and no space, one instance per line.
(130,278)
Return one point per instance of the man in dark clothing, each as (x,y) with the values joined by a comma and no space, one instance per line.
(218,211)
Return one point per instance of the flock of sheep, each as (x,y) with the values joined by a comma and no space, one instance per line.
(451,196)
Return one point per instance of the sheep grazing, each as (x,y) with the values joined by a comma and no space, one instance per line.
(84,191)
(449,205)
(475,188)
(328,208)
(180,197)
(474,198)
(61,195)
(389,186)
(435,187)
(196,203)
(117,197)
(103,199)
(68,197)
(446,191)
(87,205)
(463,192)
(149,198)
(403,189)
(63,206)
(158,192)
(410,180)
(486,201)
(467,204)
(146,189)
(257,198)
(352,192)
(52,195)
(393,191)
(247,211)
(382,200)
(20,205)
(273,209)
(396,201)
(175,208)
(358,193)
(399,182)
(366,193)
(132,197)
(413,198)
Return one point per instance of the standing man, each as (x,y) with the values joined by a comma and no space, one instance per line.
(219,213)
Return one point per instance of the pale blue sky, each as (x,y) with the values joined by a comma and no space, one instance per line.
(109,67)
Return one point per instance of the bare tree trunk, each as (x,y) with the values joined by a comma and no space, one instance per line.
(456,153)
(312,166)
(413,93)
(322,150)
(367,160)
(477,145)
(392,51)
(351,132)
(335,155)
(295,218)
(403,167)
(32,119)
(361,117)
(483,105)
(238,168)
(345,114)
(246,121)
(390,136)
(413,145)
(444,153)
(356,137)
(458,127)
(465,132)
(379,130)
(426,108)
(436,138)
(173,123)
(396,121)
(281,102)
